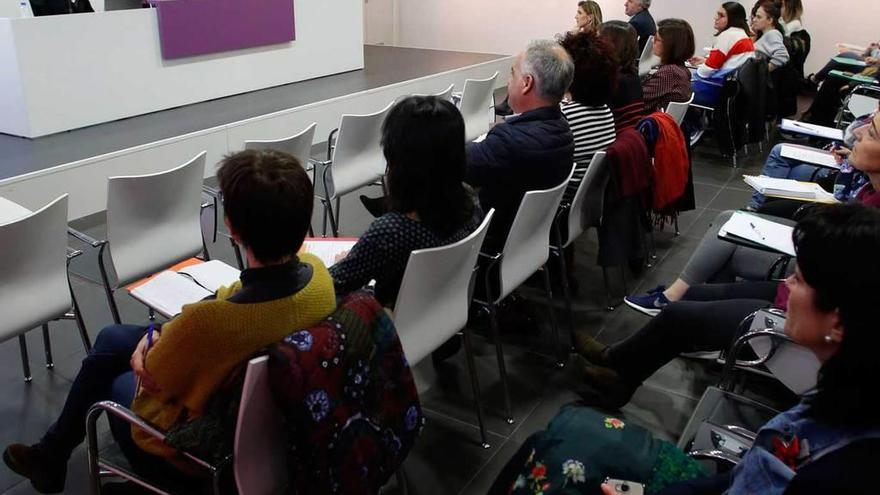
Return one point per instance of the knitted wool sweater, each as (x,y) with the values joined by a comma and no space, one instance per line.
(732,48)
(201,346)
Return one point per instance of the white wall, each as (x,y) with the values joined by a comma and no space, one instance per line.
(497,26)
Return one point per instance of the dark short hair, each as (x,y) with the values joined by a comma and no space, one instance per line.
(595,71)
(267,198)
(423,143)
(678,40)
(838,254)
(625,41)
(736,17)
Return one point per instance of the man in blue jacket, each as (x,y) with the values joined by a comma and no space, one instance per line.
(532,149)
(641,19)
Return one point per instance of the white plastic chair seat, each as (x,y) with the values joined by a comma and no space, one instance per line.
(528,243)
(33,269)
(259,460)
(298,145)
(576,211)
(477,98)
(677,110)
(153,221)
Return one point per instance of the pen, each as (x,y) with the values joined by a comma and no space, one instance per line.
(752,225)
(150,330)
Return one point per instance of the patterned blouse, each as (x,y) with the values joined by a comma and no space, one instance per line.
(382,252)
(666,84)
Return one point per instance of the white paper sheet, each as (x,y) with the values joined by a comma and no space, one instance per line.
(327,249)
(213,274)
(809,155)
(760,231)
(168,291)
(812,130)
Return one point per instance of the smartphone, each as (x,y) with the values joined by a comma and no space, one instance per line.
(621,487)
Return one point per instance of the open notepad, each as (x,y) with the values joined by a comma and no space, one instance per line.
(170,290)
(327,249)
(788,188)
(814,130)
(759,230)
(813,156)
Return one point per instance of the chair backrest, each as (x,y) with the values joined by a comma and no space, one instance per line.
(298,145)
(648,60)
(357,157)
(33,269)
(860,105)
(153,221)
(793,365)
(259,457)
(528,243)
(434,296)
(446,94)
(677,110)
(576,222)
(477,99)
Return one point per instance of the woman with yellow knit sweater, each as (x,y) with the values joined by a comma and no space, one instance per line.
(268,206)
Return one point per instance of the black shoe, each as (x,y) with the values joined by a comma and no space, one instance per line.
(615,392)
(376,206)
(46,475)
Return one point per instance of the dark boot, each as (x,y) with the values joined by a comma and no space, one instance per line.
(47,475)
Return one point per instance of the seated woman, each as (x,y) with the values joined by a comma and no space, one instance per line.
(429,205)
(828,101)
(192,354)
(586,104)
(627,101)
(792,11)
(732,47)
(671,81)
(706,317)
(769,43)
(720,261)
(870,56)
(831,313)
(588,17)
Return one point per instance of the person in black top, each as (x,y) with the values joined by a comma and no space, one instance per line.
(428,204)
(531,150)
(627,100)
(641,19)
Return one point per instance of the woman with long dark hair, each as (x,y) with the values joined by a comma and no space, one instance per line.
(627,101)
(423,143)
(671,81)
(733,44)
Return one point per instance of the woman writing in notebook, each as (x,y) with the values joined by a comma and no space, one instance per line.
(180,364)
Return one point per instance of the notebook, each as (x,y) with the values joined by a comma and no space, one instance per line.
(327,249)
(806,154)
(854,62)
(759,230)
(168,291)
(788,188)
(814,130)
(859,78)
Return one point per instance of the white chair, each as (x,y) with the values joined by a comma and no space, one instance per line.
(34,284)
(648,60)
(525,251)
(259,459)
(446,94)
(153,222)
(477,102)
(298,145)
(677,110)
(354,160)
(432,305)
(260,454)
(576,223)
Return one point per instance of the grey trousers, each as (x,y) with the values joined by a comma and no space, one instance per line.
(716,260)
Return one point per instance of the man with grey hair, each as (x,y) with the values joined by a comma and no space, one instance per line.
(533,148)
(640,18)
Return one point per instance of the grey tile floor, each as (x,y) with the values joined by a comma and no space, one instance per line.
(447,458)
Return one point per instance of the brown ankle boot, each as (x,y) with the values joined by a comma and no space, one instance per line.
(591,349)
(46,475)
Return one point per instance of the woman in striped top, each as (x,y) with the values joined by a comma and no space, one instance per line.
(626,103)
(586,105)
(671,81)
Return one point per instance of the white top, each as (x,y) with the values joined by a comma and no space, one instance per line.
(791,27)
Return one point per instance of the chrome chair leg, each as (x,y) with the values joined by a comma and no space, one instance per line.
(475,384)
(560,362)
(47,347)
(25,362)
(499,352)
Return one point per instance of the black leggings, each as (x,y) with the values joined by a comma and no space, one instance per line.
(706,319)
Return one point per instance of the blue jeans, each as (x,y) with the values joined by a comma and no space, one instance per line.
(105,374)
(786,168)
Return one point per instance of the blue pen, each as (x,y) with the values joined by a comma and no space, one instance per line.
(150,330)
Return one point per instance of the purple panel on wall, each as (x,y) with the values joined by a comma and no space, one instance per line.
(199,27)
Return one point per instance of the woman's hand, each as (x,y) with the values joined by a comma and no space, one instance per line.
(340,256)
(840,154)
(697,60)
(139,364)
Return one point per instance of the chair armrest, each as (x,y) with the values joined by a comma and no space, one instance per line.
(84,238)
(736,348)
(73,253)
(715,455)
(331,143)
(739,430)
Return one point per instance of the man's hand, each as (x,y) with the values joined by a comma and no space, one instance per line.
(139,364)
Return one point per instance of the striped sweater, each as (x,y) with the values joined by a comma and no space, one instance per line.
(732,48)
(593,131)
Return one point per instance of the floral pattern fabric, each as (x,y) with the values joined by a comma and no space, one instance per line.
(348,396)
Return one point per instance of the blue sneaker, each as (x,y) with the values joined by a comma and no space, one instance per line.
(651,303)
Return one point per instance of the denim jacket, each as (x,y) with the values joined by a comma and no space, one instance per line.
(762,472)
